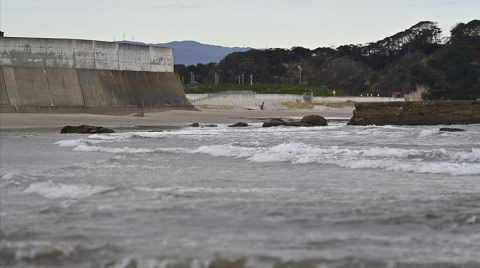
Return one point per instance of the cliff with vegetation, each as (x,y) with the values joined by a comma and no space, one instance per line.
(415,57)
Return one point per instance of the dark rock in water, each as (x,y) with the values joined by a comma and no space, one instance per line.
(85,129)
(195,124)
(210,125)
(274,123)
(307,121)
(313,120)
(239,124)
(448,129)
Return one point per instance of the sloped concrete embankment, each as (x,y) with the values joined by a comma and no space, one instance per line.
(67,90)
(417,113)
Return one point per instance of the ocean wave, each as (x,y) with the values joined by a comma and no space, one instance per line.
(53,190)
(82,145)
(395,159)
(228,150)
(114,150)
(65,255)
(183,189)
(49,254)
(71,143)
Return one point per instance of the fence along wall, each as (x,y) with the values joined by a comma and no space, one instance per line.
(84,54)
(57,75)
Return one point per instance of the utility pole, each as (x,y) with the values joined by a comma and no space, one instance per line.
(216,78)
(300,74)
(192,78)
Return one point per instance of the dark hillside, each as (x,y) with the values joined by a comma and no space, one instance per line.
(417,56)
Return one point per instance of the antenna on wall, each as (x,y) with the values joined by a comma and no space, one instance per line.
(0,15)
(1,32)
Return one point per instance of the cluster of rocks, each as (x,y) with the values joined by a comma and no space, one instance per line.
(386,113)
(196,124)
(306,121)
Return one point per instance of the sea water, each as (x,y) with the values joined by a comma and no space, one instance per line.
(335,196)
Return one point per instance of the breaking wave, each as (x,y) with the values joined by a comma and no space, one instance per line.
(53,190)
(393,159)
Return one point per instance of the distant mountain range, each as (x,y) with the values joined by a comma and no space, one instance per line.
(192,52)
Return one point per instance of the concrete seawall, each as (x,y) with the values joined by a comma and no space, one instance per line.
(273,101)
(83,54)
(417,113)
(40,75)
(65,90)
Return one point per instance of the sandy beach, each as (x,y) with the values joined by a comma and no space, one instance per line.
(174,118)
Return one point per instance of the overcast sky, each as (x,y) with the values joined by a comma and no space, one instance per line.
(253,23)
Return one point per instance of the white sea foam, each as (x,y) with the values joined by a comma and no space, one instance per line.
(53,190)
(114,136)
(70,143)
(427,132)
(8,176)
(150,134)
(226,150)
(394,159)
(114,150)
(183,189)
(474,155)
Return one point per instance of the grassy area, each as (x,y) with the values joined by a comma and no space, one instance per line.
(261,89)
(298,105)
(340,104)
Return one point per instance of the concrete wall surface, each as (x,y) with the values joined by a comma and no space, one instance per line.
(33,89)
(83,54)
(272,101)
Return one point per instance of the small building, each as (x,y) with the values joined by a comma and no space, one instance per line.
(1,34)
(396,94)
(308,95)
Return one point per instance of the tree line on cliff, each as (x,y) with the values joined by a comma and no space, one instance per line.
(415,57)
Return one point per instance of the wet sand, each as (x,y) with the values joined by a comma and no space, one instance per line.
(173,118)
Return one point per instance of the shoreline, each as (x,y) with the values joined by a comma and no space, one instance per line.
(11,122)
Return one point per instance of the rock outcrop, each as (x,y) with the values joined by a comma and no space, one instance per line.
(85,129)
(239,124)
(450,129)
(276,122)
(416,113)
(306,121)
(313,120)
